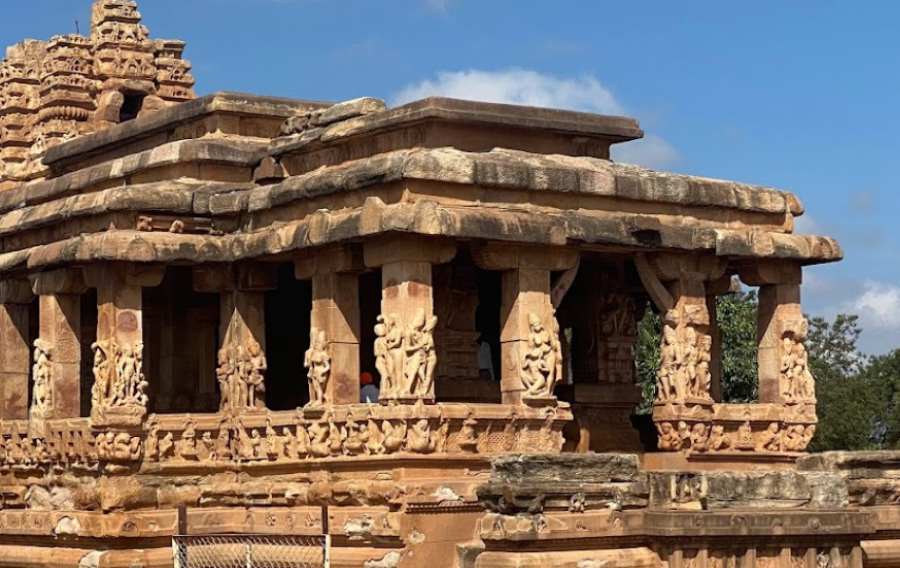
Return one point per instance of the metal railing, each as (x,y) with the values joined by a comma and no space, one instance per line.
(251,551)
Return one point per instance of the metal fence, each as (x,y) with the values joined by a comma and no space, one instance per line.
(251,551)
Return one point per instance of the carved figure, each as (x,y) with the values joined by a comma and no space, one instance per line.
(797,383)
(187,445)
(394,436)
(770,439)
(419,438)
(406,358)
(468,437)
(241,376)
(319,433)
(223,451)
(745,437)
(151,450)
(354,437)
(685,357)
(700,437)
(318,361)
(118,376)
(668,437)
(542,361)
(166,447)
(421,358)
(42,392)
(718,439)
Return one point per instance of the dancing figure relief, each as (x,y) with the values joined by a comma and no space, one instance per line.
(118,376)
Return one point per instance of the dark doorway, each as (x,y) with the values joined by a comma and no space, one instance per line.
(132,105)
(287,338)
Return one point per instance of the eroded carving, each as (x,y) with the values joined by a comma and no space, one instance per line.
(318,363)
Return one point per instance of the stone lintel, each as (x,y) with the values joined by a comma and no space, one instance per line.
(393,249)
(124,274)
(60,281)
(328,260)
(765,272)
(501,256)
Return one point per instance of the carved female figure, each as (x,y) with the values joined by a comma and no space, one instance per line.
(42,392)
(383,362)
(318,361)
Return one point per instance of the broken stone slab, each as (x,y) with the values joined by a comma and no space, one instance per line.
(347,110)
(581,468)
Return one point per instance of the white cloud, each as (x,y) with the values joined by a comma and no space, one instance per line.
(526,87)
(516,86)
(878,306)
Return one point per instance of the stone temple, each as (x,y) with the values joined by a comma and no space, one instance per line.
(191,290)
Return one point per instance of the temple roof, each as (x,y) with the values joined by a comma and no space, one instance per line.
(232,176)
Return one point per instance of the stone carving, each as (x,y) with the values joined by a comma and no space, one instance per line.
(406,358)
(42,391)
(797,383)
(241,376)
(118,447)
(685,356)
(318,362)
(542,364)
(119,383)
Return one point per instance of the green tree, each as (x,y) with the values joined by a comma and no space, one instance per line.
(850,391)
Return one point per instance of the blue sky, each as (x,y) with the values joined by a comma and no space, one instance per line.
(800,95)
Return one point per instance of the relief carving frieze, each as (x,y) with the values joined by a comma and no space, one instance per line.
(241,375)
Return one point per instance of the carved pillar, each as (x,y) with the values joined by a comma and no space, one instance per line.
(241,358)
(405,349)
(784,375)
(119,397)
(15,352)
(56,374)
(529,338)
(332,360)
(683,409)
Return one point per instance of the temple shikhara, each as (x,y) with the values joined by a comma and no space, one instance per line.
(285,333)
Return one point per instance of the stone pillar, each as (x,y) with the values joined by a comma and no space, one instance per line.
(15,352)
(119,397)
(56,374)
(242,330)
(780,323)
(528,323)
(408,358)
(333,355)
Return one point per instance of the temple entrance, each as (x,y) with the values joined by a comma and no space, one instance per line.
(287,339)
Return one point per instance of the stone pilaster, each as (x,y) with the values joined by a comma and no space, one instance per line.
(242,333)
(15,352)
(531,353)
(405,348)
(56,374)
(332,359)
(119,397)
